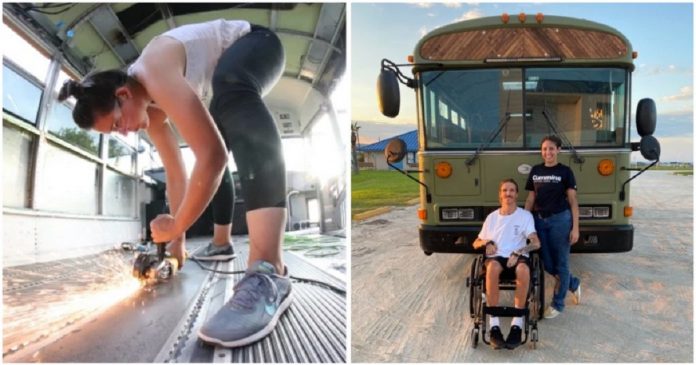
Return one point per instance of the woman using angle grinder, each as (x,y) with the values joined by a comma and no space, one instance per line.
(170,82)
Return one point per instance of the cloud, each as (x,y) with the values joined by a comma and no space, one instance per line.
(655,70)
(371,132)
(685,93)
(423,31)
(446,3)
(675,148)
(471,14)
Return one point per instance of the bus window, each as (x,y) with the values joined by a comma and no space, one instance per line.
(20,96)
(485,100)
(587,105)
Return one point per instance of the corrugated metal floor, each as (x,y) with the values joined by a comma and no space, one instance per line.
(161,325)
(313,329)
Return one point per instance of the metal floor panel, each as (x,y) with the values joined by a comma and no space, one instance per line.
(161,325)
(313,328)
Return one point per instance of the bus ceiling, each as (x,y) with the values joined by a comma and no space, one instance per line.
(99,36)
(102,36)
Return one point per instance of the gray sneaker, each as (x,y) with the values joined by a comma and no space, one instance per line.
(215,253)
(259,299)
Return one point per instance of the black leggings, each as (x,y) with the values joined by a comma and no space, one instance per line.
(246,71)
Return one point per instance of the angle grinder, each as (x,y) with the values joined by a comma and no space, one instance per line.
(153,268)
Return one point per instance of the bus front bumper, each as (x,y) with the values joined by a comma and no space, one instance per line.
(459,239)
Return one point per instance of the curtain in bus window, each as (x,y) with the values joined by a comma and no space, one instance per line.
(586,106)
(466,109)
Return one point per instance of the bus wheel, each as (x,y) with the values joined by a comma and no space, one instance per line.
(427,253)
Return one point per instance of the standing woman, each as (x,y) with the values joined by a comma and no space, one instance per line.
(553,203)
(175,76)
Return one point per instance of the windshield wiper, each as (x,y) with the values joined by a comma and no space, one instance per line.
(576,157)
(503,122)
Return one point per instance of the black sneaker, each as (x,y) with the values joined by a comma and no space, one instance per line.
(496,337)
(514,337)
(215,253)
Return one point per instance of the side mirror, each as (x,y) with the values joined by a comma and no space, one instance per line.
(395,150)
(646,117)
(388,93)
(650,148)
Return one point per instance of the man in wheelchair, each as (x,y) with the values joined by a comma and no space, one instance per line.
(504,235)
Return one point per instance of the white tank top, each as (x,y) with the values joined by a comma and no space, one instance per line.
(204,44)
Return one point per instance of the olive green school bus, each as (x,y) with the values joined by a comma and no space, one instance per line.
(488,90)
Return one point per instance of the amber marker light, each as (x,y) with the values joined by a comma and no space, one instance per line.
(422,214)
(443,169)
(539,18)
(634,54)
(605,167)
(505,18)
(409,59)
(628,212)
(522,17)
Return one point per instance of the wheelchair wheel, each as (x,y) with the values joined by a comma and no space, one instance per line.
(474,337)
(475,291)
(537,299)
(535,337)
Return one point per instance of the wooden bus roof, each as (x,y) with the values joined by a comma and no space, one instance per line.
(489,39)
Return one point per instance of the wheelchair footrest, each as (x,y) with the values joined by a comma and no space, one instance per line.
(506,311)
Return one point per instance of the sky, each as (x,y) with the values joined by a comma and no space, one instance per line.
(661,33)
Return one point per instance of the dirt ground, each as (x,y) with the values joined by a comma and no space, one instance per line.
(636,306)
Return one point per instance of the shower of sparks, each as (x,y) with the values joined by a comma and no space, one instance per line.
(43,299)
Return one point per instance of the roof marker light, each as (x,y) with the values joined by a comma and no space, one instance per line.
(505,18)
(539,18)
(522,17)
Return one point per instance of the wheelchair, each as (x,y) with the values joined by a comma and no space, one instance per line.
(533,311)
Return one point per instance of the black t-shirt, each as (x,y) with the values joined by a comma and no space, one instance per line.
(550,185)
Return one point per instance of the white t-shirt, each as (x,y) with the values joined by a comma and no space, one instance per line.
(509,232)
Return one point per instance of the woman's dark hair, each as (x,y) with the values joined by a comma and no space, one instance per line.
(95,95)
(552,138)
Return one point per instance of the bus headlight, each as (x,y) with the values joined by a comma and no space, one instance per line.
(595,212)
(457,214)
(601,212)
(585,212)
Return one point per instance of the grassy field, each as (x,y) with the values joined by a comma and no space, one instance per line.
(373,189)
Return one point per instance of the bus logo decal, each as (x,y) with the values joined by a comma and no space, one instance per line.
(524,169)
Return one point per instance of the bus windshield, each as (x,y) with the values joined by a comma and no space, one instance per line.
(514,108)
